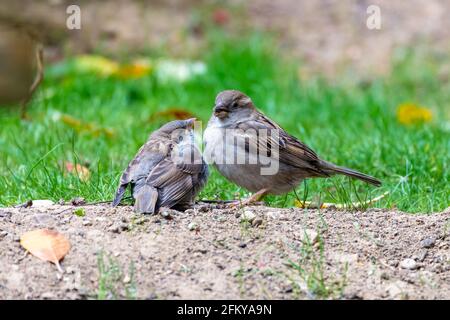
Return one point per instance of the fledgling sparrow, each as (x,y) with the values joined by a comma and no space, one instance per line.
(168,170)
(271,160)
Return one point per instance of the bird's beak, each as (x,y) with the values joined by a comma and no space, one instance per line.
(220,111)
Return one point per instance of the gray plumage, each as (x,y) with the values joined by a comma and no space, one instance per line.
(234,115)
(168,170)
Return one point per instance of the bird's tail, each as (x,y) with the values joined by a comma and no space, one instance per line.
(119,194)
(331,168)
(146,198)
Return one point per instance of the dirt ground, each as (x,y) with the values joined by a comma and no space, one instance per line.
(253,253)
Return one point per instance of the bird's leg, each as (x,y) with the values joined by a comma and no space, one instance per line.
(252,199)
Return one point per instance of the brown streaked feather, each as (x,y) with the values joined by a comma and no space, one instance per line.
(173,183)
(291,151)
(149,155)
(146,199)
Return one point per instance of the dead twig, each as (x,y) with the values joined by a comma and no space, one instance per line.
(38,79)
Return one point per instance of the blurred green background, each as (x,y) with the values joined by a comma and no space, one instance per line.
(373,100)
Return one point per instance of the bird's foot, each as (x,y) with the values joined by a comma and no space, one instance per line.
(256,197)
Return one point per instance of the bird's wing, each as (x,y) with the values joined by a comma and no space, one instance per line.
(148,156)
(173,181)
(199,180)
(279,143)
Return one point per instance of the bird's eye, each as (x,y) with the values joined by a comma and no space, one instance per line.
(180,138)
(234,105)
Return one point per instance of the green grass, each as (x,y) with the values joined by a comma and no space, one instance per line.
(111,277)
(347,122)
(310,268)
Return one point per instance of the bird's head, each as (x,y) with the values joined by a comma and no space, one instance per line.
(178,131)
(232,105)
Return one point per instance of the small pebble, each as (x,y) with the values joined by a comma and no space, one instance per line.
(42,203)
(396,290)
(203,208)
(274,215)
(408,263)
(384,276)
(78,201)
(393,263)
(87,223)
(428,242)
(221,219)
(421,255)
(70,270)
(193,226)
(307,235)
(114,229)
(288,289)
(48,295)
(126,279)
(166,214)
(140,220)
(242,245)
(152,296)
(248,216)
(257,222)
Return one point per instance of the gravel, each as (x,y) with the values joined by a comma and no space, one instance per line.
(378,254)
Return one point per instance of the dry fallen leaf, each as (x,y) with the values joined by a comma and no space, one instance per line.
(81,126)
(81,171)
(173,113)
(48,245)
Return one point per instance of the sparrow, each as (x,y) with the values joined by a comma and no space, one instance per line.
(168,170)
(255,153)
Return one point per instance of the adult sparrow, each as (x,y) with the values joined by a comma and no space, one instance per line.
(168,171)
(254,152)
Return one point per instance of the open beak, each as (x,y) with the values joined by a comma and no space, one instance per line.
(220,111)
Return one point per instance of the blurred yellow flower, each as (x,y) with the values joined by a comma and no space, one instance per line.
(410,113)
(97,64)
(107,67)
(137,69)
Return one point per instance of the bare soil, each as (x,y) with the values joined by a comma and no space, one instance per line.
(217,254)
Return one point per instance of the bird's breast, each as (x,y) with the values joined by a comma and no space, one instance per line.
(213,138)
